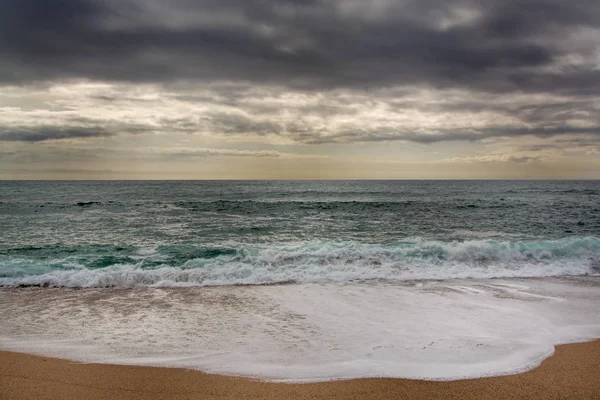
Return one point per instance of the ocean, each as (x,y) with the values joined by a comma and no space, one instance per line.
(301,280)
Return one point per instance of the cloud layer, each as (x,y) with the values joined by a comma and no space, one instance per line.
(313,73)
(490,45)
(278,115)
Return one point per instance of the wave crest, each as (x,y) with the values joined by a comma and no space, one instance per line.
(187,265)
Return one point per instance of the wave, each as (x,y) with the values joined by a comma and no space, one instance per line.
(581,191)
(189,265)
(252,206)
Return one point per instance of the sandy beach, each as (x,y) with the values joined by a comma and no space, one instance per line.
(573,372)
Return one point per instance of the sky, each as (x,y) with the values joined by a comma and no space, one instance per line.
(292,89)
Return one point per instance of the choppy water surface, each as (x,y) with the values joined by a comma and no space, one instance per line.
(213,233)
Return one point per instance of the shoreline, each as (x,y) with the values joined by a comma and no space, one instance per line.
(572,372)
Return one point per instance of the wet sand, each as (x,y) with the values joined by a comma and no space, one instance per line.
(573,372)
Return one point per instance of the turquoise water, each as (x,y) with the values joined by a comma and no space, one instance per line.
(204,233)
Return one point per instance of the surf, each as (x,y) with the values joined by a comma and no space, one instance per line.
(245,264)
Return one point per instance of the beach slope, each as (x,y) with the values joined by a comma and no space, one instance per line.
(573,372)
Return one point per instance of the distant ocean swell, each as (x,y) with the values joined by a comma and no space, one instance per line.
(273,205)
(188,265)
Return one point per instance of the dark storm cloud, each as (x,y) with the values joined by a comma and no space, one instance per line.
(44,133)
(311,72)
(70,128)
(506,45)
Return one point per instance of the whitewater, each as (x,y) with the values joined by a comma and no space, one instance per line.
(113,266)
(311,332)
(301,281)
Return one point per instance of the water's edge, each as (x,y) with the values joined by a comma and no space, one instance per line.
(433,330)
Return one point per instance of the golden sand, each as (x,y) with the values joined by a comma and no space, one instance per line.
(573,372)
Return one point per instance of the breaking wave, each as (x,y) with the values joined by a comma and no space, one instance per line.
(189,265)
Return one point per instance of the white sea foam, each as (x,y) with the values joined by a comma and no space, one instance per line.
(128,276)
(311,332)
(321,262)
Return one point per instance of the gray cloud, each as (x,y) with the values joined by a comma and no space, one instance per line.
(494,158)
(44,133)
(298,117)
(228,123)
(445,135)
(524,159)
(309,72)
(486,45)
(204,152)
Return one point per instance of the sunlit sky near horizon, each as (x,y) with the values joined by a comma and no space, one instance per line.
(291,89)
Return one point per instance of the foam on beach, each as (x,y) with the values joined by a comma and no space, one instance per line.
(311,332)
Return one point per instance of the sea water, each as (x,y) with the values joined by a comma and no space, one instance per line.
(301,281)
